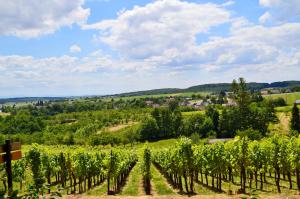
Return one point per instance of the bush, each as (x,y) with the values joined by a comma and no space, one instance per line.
(250,133)
(278,102)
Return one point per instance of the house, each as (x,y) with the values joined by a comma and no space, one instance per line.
(169,99)
(155,105)
(200,104)
(213,141)
(275,91)
(297,102)
(149,102)
(228,93)
(264,92)
(185,103)
(230,102)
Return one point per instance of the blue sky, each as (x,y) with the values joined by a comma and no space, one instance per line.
(89,47)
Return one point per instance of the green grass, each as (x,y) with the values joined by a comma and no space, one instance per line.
(99,190)
(285,109)
(269,188)
(159,184)
(190,113)
(290,98)
(187,94)
(134,184)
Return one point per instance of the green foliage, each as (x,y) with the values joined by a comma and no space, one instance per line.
(34,159)
(177,164)
(278,102)
(213,113)
(250,133)
(146,166)
(118,166)
(237,159)
(149,129)
(199,124)
(22,122)
(295,120)
(247,114)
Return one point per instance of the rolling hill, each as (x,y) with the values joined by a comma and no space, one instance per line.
(217,87)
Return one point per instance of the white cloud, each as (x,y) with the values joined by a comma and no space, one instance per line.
(33,18)
(158,27)
(75,49)
(280,10)
(228,3)
(265,17)
(156,46)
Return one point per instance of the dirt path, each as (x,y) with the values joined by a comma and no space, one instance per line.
(215,196)
(282,127)
(284,121)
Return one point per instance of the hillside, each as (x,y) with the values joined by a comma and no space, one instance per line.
(216,87)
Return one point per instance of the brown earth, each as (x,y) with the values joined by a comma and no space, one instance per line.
(216,196)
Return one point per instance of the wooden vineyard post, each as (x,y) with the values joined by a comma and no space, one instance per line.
(8,152)
(8,166)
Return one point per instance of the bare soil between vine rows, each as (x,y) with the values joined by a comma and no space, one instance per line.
(216,196)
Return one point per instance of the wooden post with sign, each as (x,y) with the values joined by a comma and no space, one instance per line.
(8,166)
(8,152)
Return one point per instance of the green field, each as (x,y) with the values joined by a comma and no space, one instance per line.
(187,94)
(290,98)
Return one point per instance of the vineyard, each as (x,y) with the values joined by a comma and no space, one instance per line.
(74,171)
(239,166)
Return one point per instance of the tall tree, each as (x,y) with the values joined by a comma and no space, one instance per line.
(213,113)
(243,99)
(295,121)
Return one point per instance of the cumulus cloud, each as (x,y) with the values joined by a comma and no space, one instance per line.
(252,47)
(280,10)
(33,18)
(159,27)
(156,46)
(75,49)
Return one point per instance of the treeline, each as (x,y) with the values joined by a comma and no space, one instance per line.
(216,88)
(50,108)
(249,164)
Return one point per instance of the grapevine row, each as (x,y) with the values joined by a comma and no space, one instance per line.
(75,171)
(240,161)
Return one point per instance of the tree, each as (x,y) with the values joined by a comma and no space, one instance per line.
(214,115)
(250,133)
(295,120)
(243,99)
(149,129)
(173,104)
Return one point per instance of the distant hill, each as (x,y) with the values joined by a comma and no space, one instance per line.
(214,88)
(217,87)
(151,92)
(29,99)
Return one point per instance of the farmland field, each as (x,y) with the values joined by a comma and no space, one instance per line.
(4,114)
(187,94)
(290,98)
